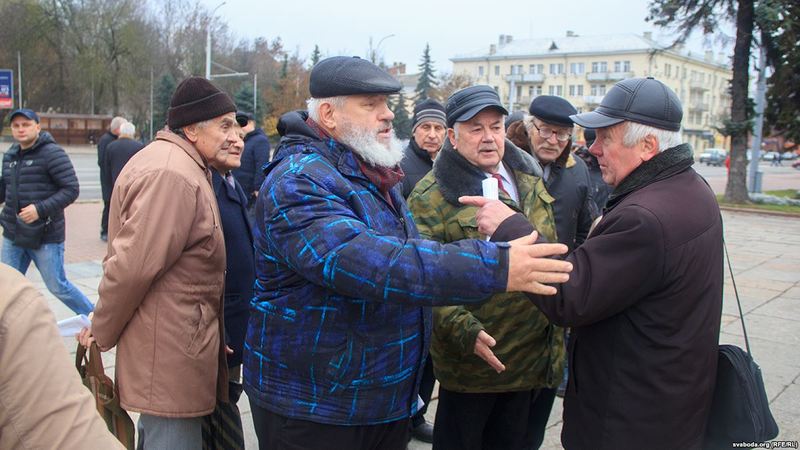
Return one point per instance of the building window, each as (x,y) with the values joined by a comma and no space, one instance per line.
(556,69)
(572,90)
(497,70)
(667,70)
(576,68)
(519,92)
(536,69)
(598,89)
(599,67)
(580,89)
(622,66)
(535,90)
(556,90)
(552,90)
(516,70)
(480,71)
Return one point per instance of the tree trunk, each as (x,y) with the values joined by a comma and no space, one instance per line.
(736,189)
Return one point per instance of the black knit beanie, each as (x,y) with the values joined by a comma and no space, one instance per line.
(196,100)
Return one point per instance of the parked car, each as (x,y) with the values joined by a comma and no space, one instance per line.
(769,156)
(713,156)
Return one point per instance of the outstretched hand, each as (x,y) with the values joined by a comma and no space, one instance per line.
(491,213)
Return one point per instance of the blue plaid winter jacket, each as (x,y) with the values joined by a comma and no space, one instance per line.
(340,323)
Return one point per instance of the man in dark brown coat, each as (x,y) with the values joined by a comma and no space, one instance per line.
(645,297)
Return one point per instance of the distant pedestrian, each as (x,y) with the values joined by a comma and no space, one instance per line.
(38,182)
(600,189)
(428,132)
(120,151)
(161,292)
(105,177)
(256,155)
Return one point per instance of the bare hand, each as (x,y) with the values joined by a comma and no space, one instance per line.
(529,266)
(491,213)
(228,350)
(29,214)
(483,348)
(255,193)
(85,337)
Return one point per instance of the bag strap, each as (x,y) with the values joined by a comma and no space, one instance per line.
(736,294)
(93,363)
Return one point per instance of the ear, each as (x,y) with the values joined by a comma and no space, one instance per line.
(451,134)
(190,131)
(327,116)
(649,147)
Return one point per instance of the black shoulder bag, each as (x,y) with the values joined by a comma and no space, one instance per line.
(740,408)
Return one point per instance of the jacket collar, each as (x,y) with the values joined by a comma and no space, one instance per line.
(186,146)
(420,153)
(456,176)
(664,165)
(43,139)
(298,136)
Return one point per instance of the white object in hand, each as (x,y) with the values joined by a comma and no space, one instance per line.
(73,325)
(491,190)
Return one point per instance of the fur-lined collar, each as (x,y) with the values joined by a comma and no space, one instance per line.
(456,176)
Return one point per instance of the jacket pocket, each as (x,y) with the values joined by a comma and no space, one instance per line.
(197,329)
(343,366)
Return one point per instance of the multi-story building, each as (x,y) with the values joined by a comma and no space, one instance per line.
(582,68)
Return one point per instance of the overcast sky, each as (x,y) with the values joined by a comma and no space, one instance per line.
(344,27)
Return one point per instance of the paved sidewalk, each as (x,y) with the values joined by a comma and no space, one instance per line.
(765,253)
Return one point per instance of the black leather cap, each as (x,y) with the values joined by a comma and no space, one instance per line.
(641,100)
(350,75)
(464,104)
(553,110)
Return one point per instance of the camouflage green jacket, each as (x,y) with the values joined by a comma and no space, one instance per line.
(531,348)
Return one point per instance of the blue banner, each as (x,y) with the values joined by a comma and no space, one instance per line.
(6,89)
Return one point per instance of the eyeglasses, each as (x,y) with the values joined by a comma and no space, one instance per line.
(545,133)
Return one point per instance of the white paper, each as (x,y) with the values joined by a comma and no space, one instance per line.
(491,190)
(72,326)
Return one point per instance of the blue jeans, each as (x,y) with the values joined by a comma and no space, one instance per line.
(49,259)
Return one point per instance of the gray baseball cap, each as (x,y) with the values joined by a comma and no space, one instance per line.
(641,100)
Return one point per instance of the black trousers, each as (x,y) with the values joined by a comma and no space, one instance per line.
(104,218)
(425,391)
(482,421)
(276,432)
(537,418)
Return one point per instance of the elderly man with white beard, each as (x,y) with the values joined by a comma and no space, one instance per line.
(340,323)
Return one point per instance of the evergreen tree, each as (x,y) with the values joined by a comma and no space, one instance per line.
(163,95)
(783,105)
(244,102)
(315,56)
(427,76)
(402,121)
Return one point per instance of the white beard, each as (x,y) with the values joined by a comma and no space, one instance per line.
(366,144)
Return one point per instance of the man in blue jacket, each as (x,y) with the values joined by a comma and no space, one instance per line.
(37,183)
(339,326)
(256,154)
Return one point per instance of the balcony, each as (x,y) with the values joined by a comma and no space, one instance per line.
(593,100)
(525,78)
(608,76)
(698,105)
(697,85)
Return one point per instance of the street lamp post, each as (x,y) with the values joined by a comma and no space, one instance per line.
(377,47)
(208,41)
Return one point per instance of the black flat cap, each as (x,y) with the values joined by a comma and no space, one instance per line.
(464,104)
(553,110)
(242,117)
(346,75)
(641,100)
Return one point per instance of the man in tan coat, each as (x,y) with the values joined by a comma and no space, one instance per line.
(44,404)
(161,293)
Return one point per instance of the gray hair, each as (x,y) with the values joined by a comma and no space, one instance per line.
(116,122)
(633,133)
(127,129)
(313,105)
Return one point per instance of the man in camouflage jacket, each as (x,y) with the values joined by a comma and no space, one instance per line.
(485,393)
